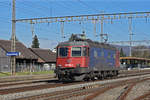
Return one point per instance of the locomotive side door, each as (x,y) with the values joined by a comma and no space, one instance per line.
(86,55)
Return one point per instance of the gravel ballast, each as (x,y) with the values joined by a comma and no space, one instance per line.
(49,90)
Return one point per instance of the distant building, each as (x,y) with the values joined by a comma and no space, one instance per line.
(24,61)
(46,58)
(54,50)
(134,62)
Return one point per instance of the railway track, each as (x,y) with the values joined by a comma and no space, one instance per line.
(130,84)
(51,79)
(59,88)
(26,80)
(145,96)
(94,89)
(48,85)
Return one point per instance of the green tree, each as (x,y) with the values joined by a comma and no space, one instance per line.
(122,53)
(35,42)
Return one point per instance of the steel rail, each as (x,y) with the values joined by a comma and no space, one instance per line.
(144,96)
(65,94)
(123,96)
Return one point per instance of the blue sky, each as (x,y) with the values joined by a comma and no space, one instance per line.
(49,34)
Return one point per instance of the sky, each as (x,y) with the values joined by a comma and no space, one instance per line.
(49,34)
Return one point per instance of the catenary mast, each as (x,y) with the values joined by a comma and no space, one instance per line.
(13,40)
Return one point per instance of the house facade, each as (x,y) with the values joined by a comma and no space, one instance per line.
(4,61)
(30,59)
(24,62)
(46,58)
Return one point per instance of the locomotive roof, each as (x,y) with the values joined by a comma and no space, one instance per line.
(88,43)
(101,45)
(73,43)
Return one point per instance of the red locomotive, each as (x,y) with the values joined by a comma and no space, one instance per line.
(86,60)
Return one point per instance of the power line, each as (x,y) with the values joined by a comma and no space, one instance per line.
(5,3)
(30,11)
(35,28)
(69,7)
(88,6)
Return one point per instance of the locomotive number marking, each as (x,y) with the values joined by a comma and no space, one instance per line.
(70,65)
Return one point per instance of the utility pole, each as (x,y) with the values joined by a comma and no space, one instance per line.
(32,30)
(13,41)
(95,28)
(62,30)
(130,35)
(101,34)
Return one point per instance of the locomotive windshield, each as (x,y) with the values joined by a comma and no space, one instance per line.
(76,51)
(79,51)
(63,52)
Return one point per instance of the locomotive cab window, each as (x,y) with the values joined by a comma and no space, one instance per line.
(63,52)
(76,51)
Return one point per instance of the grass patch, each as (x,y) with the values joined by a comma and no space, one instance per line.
(3,74)
(43,72)
(23,73)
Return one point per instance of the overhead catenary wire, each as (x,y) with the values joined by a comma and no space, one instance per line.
(68,6)
(65,5)
(8,5)
(10,18)
(23,11)
(89,7)
(5,3)
(25,8)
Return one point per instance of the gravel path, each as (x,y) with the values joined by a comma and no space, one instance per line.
(112,94)
(22,85)
(79,97)
(138,90)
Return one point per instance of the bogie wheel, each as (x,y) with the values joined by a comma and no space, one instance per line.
(92,76)
(60,78)
(102,75)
